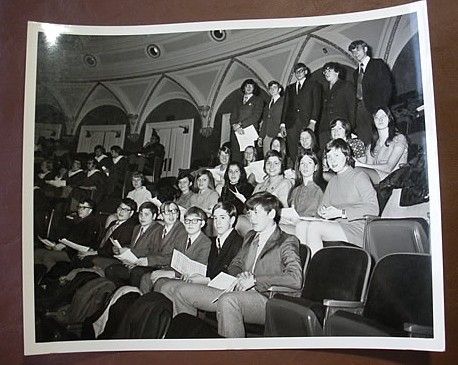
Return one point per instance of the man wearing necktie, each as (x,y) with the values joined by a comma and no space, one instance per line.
(301,108)
(268,257)
(271,116)
(373,88)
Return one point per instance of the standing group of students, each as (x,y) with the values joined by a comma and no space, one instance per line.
(313,163)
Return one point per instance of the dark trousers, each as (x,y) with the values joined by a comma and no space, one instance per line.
(364,122)
(121,275)
(292,140)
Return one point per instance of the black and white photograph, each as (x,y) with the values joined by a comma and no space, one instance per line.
(260,184)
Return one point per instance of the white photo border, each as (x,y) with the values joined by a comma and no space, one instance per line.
(437,343)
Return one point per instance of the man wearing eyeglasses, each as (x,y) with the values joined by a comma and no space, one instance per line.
(301,108)
(120,229)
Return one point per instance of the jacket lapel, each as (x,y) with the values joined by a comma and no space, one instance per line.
(271,243)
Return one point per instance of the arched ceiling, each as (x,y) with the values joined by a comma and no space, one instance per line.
(195,67)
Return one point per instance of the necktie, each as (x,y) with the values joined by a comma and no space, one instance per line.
(164,233)
(188,244)
(108,234)
(218,245)
(245,98)
(298,86)
(139,235)
(359,83)
(251,256)
(271,103)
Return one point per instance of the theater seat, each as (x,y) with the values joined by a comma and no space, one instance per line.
(336,275)
(399,301)
(383,236)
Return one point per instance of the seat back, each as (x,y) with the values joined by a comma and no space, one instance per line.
(400,291)
(385,236)
(337,272)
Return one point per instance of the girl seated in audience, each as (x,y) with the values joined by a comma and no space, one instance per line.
(307,141)
(206,196)
(236,189)
(140,194)
(275,183)
(278,144)
(341,128)
(184,184)
(306,195)
(224,156)
(388,149)
(348,197)
(251,155)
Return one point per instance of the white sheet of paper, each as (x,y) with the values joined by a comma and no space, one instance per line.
(115,243)
(313,219)
(127,256)
(248,138)
(222,281)
(217,175)
(185,266)
(47,242)
(73,245)
(257,169)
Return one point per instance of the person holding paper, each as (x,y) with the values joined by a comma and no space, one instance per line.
(196,247)
(348,197)
(120,230)
(268,257)
(223,249)
(83,231)
(141,246)
(247,112)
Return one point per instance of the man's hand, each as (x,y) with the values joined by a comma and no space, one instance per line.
(329,212)
(312,124)
(283,131)
(245,281)
(259,142)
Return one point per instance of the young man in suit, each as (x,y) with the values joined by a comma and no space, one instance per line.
(301,108)
(268,257)
(373,88)
(224,248)
(271,116)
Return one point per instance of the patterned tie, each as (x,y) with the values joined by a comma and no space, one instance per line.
(188,244)
(218,245)
(251,256)
(109,233)
(359,83)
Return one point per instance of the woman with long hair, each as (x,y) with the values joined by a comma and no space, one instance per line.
(236,189)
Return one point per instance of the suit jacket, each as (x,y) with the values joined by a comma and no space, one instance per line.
(377,84)
(144,245)
(249,113)
(220,262)
(338,102)
(198,251)
(271,118)
(300,108)
(161,250)
(123,234)
(277,264)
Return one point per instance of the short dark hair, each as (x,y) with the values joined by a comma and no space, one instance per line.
(185,173)
(300,65)
(167,204)
(99,147)
(228,207)
(225,149)
(340,144)
(345,125)
(357,43)
(196,211)
(130,203)
(268,202)
(251,82)
(150,206)
(89,202)
(337,67)
(274,82)
(117,149)
(273,153)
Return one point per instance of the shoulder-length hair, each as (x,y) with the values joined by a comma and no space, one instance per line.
(313,145)
(243,177)
(255,155)
(316,161)
(345,125)
(392,129)
(211,180)
(274,153)
(251,82)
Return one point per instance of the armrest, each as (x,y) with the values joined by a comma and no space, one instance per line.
(416,330)
(282,289)
(342,304)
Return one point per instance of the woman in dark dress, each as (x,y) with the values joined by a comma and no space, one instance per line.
(236,189)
